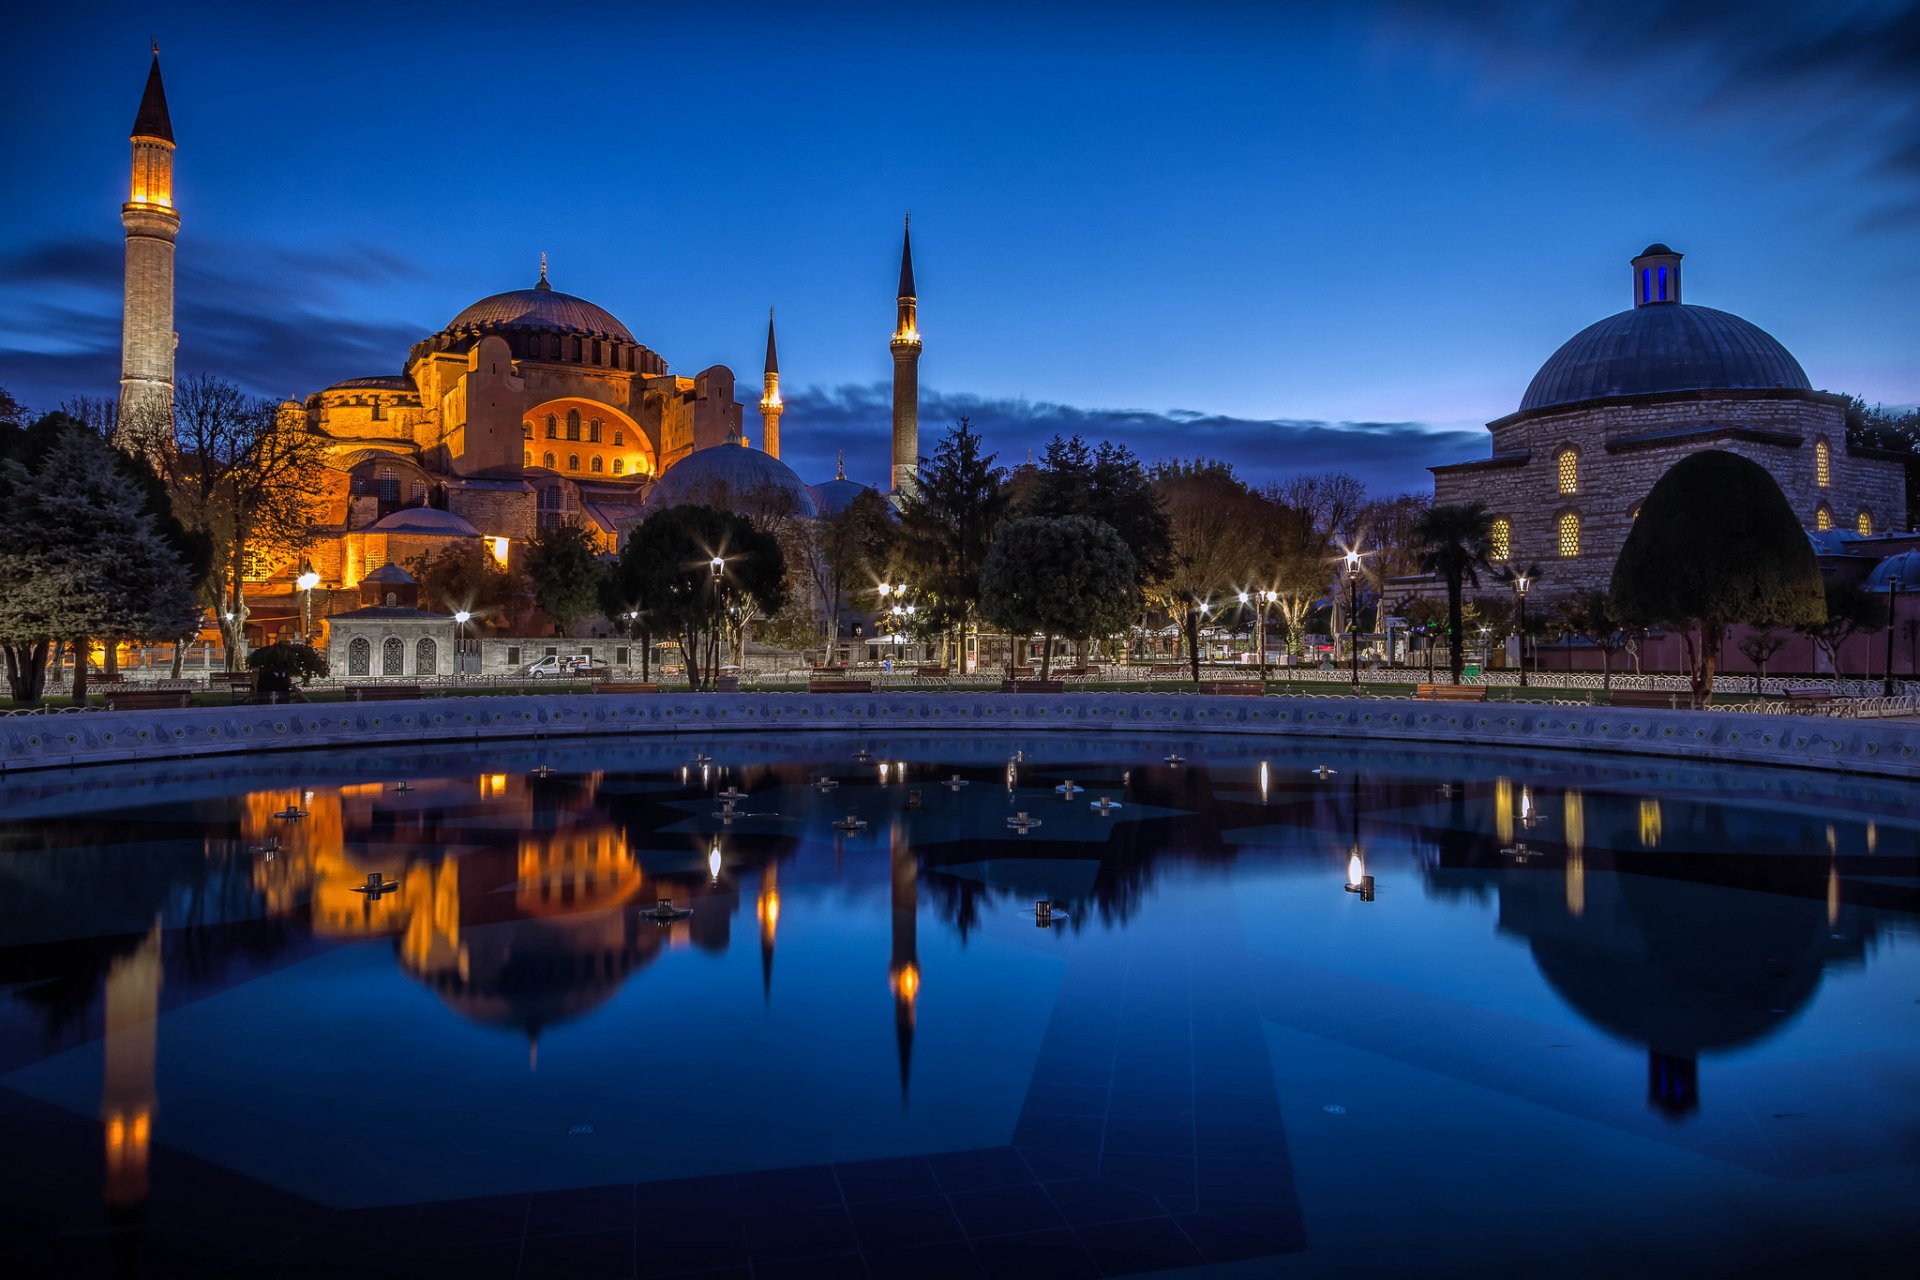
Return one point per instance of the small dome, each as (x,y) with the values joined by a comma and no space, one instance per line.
(732,478)
(1655,247)
(1673,347)
(1905,567)
(836,495)
(425,522)
(389,572)
(540,308)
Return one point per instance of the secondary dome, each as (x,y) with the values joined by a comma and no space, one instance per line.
(1660,348)
(731,478)
(541,307)
(1905,567)
(427,521)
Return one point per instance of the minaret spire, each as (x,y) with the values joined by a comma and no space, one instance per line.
(770,406)
(147,338)
(906,373)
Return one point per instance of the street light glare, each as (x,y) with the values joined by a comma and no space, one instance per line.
(308,580)
(463,617)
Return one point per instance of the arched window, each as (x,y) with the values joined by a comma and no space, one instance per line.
(1822,518)
(393,656)
(1500,539)
(1568,527)
(1864,524)
(1566,470)
(1822,464)
(573,424)
(573,462)
(546,460)
(526,431)
(593,463)
(426,658)
(553,427)
(593,431)
(359,656)
(526,458)
(619,437)
(618,466)
(391,600)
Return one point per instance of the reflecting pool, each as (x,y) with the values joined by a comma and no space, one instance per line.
(922,1006)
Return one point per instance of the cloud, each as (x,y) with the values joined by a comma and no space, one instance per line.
(1390,457)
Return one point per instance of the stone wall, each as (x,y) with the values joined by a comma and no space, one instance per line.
(1885,748)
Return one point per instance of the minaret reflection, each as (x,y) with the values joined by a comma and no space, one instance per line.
(1574,819)
(903,970)
(127,1098)
(767,907)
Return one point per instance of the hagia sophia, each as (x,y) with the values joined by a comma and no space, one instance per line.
(528,408)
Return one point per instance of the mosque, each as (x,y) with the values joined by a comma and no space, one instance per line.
(528,408)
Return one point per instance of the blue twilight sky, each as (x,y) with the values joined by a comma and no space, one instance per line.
(1293,236)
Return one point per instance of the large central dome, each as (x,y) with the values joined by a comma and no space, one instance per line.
(541,307)
(1664,347)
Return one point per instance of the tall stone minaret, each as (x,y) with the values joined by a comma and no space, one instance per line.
(906,376)
(770,399)
(147,338)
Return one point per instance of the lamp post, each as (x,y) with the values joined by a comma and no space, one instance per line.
(307,581)
(460,621)
(713,665)
(1353,612)
(1520,591)
(1893,605)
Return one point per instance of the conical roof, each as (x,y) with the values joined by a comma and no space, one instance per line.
(153,120)
(906,263)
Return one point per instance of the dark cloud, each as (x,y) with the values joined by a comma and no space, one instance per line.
(276,320)
(1828,82)
(1389,457)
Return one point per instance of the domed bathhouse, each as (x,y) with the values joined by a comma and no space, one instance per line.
(1626,398)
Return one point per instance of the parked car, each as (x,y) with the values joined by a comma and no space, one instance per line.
(572,665)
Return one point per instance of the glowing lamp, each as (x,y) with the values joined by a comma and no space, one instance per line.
(307,581)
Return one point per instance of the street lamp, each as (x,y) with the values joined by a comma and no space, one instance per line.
(1353,612)
(461,618)
(307,581)
(713,667)
(1520,592)
(1893,604)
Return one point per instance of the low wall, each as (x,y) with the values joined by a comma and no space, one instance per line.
(1885,748)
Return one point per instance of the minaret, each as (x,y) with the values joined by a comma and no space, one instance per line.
(906,375)
(770,399)
(147,338)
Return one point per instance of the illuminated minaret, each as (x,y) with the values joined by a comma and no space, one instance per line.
(770,399)
(906,375)
(147,338)
(127,1095)
(903,969)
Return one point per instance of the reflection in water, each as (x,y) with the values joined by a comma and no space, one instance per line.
(903,966)
(132,991)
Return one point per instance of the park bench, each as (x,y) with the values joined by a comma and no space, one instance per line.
(1233,688)
(1451,692)
(129,699)
(1077,671)
(934,669)
(1654,699)
(238,684)
(381,692)
(825,684)
(625,686)
(1810,697)
(1033,686)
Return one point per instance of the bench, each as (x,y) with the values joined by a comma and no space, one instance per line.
(1033,686)
(625,686)
(1654,699)
(819,684)
(382,692)
(238,684)
(121,699)
(1813,696)
(933,670)
(1451,692)
(1077,671)
(1233,688)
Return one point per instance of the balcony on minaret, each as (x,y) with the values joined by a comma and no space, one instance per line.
(1656,276)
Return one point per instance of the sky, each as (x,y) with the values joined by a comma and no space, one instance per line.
(1297,237)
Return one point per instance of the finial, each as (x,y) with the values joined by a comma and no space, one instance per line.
(543,267)
(840,472)
(156,45)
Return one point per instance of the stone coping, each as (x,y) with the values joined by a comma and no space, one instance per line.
(1882,748)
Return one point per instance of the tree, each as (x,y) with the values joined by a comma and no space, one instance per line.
(1850,609)
(947,523)
(1426,618)
(1218,534)
(666,571)
(1108,484)
(1390,529)
(1759,645)
(463,577)
(278,665)
(855,546)
(1455,541)
(246,473)
(1069,576)
(12,412)
(1716,543)
(562,572)
(1893,432)
(1590,614)
(80,555)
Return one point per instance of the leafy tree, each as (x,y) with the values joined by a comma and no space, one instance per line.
(293,660)
(1851,609)
(666,571)
(855,546)
(1070,576)
(1455,541)
(1716,543)
(1892,431)
(464,577)
(1590,614)
(1759,645)
(947,523)
(1428,618)
(562,572)
(80,555)
(1390,528)
(1219,530)
(1108,484)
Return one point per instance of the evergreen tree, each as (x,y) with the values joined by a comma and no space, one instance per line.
(947,523)
(1107,484)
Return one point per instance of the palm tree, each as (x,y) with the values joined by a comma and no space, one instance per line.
(1455,541)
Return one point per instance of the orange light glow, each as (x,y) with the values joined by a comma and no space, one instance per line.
(906,983)
(497,548)
(492,785)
